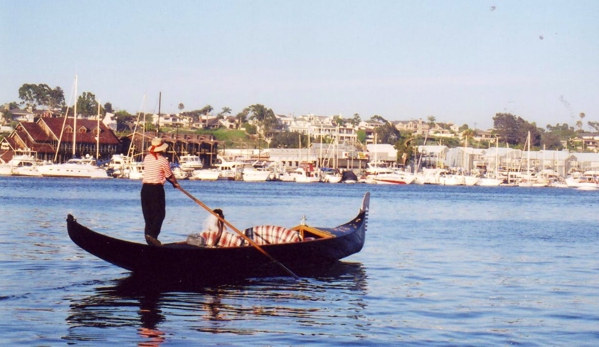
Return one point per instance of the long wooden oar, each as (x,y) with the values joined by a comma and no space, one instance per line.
(238,232)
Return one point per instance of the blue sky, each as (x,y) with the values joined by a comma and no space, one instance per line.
(459,61)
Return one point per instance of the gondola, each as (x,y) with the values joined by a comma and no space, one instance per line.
(318,247)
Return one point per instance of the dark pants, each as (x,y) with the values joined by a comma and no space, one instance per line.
(153,206)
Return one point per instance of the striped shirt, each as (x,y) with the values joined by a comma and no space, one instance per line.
(156,170)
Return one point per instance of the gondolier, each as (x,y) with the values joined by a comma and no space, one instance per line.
(153,202)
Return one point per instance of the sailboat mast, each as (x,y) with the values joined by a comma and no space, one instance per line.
(496,158)
(98,133)
(528,155)
(159,106)
(320,154)
(75,120)
(64,122)
(337,149)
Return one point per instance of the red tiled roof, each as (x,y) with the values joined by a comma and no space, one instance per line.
(86,136)
(35,131)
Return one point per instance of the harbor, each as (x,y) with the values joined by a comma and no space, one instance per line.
(435,166)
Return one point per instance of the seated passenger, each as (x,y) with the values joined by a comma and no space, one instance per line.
(214,235)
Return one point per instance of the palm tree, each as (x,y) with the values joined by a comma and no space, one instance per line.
(226,110)
(466,134)
(579,122)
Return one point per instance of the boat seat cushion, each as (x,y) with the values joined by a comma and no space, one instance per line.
(262,235)
(226,240)
(271,234)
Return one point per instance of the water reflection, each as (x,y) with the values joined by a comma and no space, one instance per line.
(150,317)
(243,307)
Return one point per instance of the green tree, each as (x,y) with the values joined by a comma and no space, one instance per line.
(87,104)
(356,120)
(431,121)
(514,130)
(361,134)
(551,141)
(125,122)
(265,118)
(405,148)
(467,134)
(225,111)
(55,99)
(594,125)
(378,119)
(250,129)
(242,117)
(286,139)
(33,95)
(387,133)
(555,136)
(579,122)
(206,110)
(28,95)
(108,107)
(338,120)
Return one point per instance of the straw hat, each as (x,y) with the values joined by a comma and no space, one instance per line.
(158,145)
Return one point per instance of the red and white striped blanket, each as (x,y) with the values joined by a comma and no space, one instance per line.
(262,235)
(271,234)
(226,240)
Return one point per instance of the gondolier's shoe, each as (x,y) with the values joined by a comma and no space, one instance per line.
(152,241)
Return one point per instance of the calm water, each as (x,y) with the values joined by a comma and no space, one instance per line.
(441,266)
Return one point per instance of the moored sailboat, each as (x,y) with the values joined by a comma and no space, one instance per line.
(76,167)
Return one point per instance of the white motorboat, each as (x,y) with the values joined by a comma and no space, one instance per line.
(76,167)
(587,182)
(375,169)
(427,176)
(283,177)
(181,174)
(395,177)
(332,178)
(118,165)
(249,173)
(330,175)
(24,163)
(304,175)
(229,170)
(489,182)
(190,162)
(445,178)
(470,180)
(205,175)
(279,172)
(135,171)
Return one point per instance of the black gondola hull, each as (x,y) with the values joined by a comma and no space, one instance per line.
(183,261)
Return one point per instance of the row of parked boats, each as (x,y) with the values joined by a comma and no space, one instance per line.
(26,164)
(190,167)
(380,174)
